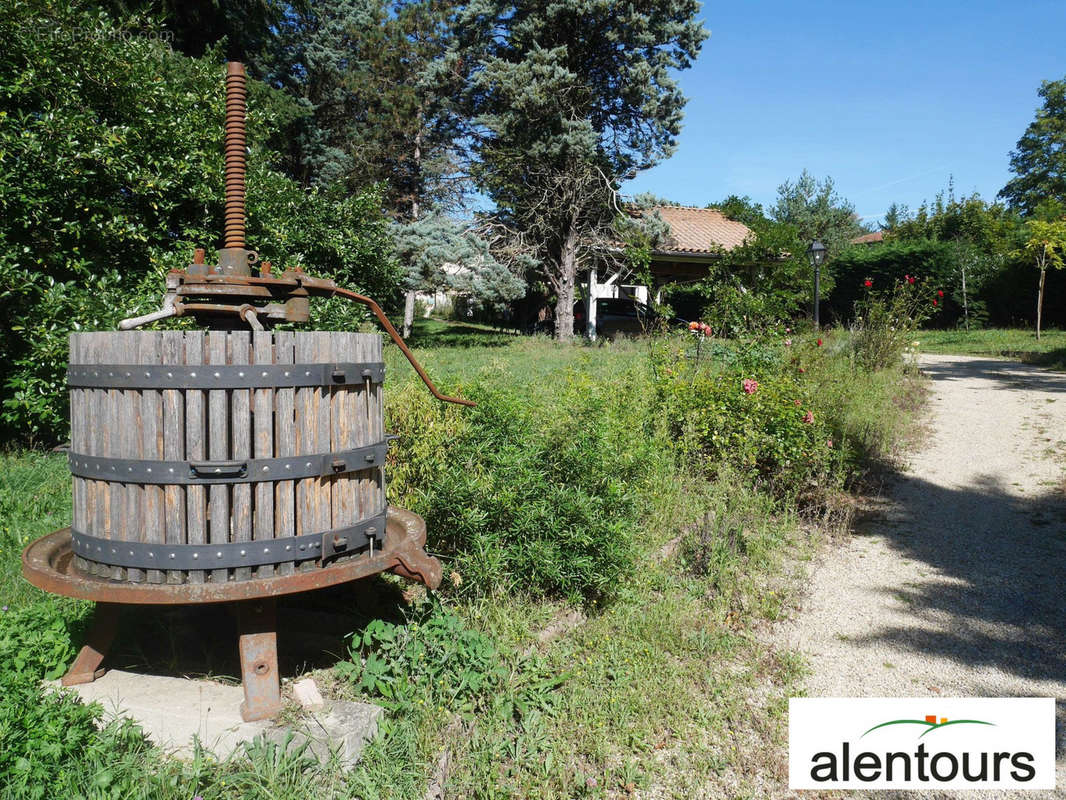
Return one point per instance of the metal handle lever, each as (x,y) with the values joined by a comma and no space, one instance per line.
(218,469)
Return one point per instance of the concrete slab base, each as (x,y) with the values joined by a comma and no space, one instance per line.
(173,712)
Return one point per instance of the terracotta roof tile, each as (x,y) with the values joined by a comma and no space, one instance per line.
(869,238)
(700,230)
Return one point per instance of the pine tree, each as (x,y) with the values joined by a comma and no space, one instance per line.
(817,212)
(567,100)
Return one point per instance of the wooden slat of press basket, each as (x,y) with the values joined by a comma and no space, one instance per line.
(196,424)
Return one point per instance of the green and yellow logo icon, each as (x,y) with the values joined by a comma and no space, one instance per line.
(930,723)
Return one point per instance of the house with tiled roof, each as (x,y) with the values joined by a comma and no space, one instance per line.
(869,238)
(697,237)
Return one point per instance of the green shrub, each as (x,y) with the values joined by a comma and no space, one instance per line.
(755,415)
(532,493)
(434,658)
(886,322)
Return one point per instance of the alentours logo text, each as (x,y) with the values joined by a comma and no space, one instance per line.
(921,743)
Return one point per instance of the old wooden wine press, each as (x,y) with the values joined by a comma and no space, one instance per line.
(228,465)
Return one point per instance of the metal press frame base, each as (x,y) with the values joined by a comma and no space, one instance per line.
(48,563)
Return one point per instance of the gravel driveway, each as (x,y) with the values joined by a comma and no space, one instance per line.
(956,585)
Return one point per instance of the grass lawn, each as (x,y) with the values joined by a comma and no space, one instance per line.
(661,683)
(1013,343)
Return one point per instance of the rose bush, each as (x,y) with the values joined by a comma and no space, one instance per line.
(761,425)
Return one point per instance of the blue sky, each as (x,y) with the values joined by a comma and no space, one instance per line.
(890,99)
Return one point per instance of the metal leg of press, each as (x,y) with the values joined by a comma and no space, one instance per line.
(86,667)
(257,626)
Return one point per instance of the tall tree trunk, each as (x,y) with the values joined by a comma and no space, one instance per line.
(409,299)
(965,303)
(566,285)
(1040,302)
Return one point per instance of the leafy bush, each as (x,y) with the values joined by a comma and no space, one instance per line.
(536,494)
(887,321)
(761,422)
(434,658)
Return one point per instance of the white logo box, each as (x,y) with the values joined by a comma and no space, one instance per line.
(831,746)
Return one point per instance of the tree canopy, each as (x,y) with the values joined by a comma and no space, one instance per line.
(816,211)
(1038,161)
(566,100)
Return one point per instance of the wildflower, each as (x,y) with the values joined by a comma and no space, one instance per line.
(910,278)
(939,292)
(867,283)
(802,370)
(788,343)
(788,330)
(797,402)
(693,326)
(808,418)
(819,343)
(829,443)
(705,329)
(4,608)
(750,386)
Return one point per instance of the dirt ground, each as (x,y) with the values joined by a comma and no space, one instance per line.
(955,583)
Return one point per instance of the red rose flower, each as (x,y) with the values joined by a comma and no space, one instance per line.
(939,292)
(910,278)
(819,342)
(934,301)
(867,283)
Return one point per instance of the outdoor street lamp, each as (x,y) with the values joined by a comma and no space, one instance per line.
(816,253)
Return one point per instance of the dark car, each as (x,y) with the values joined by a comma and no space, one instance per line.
(622,316)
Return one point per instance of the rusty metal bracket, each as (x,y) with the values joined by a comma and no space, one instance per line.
(258,644)
(86,667)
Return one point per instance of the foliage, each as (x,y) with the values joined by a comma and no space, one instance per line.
(885,265)
(434,658)
(537,497)
(377,105)
(759,422)
(242,26)
(40,736)
(440,256)
(1045,243)
(763,281)
(1039,159)
(113,175)
(567,100)
(816,211)
(886,321)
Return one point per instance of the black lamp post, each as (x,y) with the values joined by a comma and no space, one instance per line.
(816,253)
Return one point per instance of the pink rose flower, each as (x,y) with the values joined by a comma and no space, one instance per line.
(808,418)
(750,386)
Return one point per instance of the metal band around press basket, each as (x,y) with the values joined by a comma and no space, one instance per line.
(250,470)
(222,376)
(325,545)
